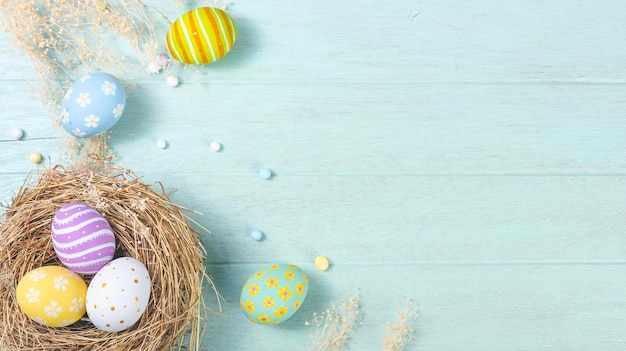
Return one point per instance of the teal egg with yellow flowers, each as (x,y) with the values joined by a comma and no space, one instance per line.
(273,294)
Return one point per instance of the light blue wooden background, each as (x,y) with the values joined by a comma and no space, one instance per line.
(468,155)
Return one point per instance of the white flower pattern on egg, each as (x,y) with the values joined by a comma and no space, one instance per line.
(32,295)
(78,132)
(84,78)
(118,110)
(37,275)
(91,121)
(108,88)
(77,304)
(53,310)
(83,99)
(65,116)
(60,283)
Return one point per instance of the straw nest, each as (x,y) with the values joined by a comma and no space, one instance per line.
(147,226)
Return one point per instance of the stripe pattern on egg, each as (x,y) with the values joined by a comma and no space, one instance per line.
(82,238)
(201,36)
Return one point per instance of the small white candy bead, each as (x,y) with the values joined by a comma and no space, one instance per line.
(215,146)
(171,80)
(256,235)
(266,173)
(17,133)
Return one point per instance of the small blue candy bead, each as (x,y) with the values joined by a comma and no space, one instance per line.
(256,234)
(265,173)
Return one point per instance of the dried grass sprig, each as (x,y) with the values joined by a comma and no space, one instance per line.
(401,332)
(67,38)
(335,326)
(147,225)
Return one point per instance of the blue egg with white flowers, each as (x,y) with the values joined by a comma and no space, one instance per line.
(92,105)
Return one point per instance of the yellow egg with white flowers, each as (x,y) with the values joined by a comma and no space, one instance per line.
(52,295)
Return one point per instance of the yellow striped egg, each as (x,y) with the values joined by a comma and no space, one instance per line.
(200,36)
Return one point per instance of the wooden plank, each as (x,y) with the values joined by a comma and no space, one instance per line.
(374,129)
(356,220)
(430,41)
(408,219)
(353,129)
(484,307)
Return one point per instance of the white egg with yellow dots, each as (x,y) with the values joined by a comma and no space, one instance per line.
(118,294)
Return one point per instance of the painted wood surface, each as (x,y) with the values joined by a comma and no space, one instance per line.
(468,156)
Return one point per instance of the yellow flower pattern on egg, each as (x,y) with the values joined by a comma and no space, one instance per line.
(264,318)
(271,282)
(272,296)
(268,301)
(281,312)
(254,289)
(284,293)
(289,275)
(52,295)
(259,274)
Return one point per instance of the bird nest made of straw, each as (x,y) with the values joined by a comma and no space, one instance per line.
(147,226)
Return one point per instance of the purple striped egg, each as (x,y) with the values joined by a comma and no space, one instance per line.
(82,238)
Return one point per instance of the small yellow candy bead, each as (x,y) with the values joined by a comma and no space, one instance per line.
(35,157)
(321,263)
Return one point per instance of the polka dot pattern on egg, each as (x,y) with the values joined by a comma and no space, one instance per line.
(118,294)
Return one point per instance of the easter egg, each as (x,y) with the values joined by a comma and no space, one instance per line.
(118,294)
(92,105)
(200,36)
(82,238)
(272,295)
(52,296)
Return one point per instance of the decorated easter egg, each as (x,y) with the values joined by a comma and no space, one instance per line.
(92,105)
(272,295)
(200,36)
(82,238)
(52,296)
(118,294)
